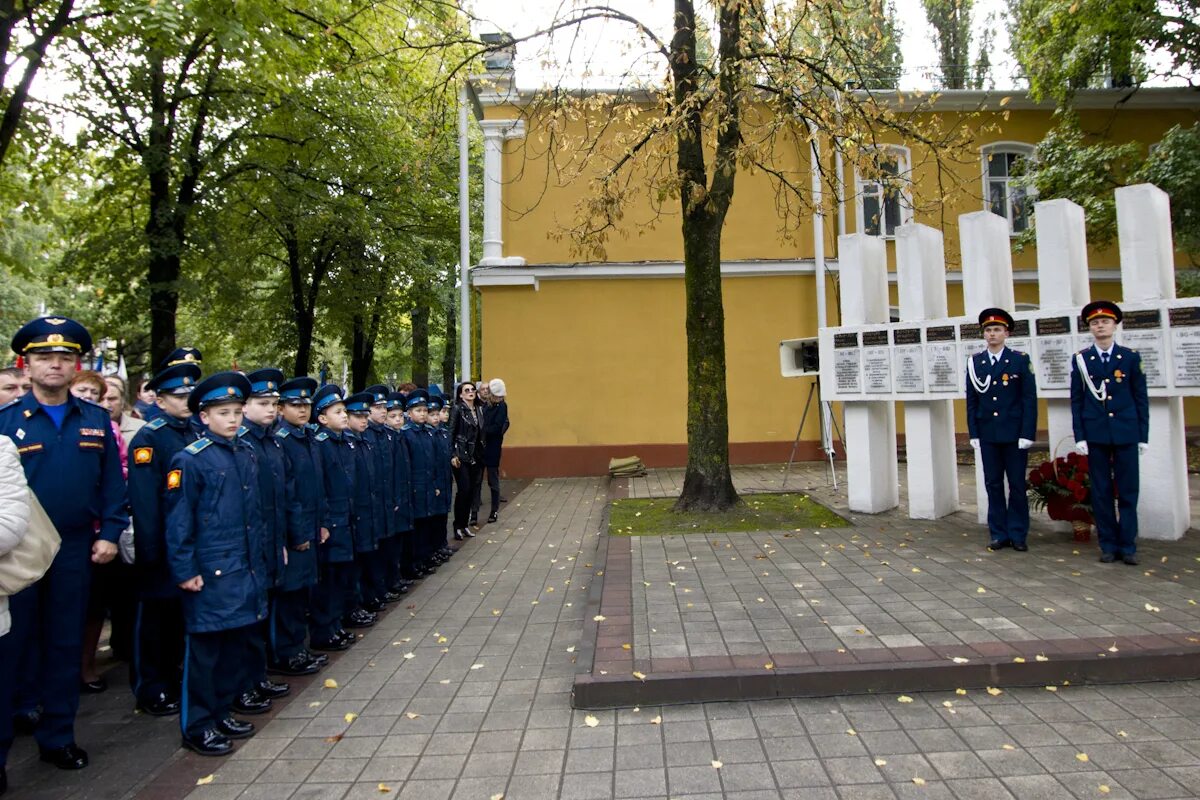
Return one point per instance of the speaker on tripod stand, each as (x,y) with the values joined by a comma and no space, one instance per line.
(801,358)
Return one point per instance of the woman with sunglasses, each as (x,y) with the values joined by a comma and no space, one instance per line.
(466,438)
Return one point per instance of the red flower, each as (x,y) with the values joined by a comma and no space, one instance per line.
(1047,469)
(1081,493)
(1083,463)
(1071,458)
(1035,478)
(1074,486)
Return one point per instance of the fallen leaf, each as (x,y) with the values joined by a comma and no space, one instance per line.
(1051,688)
(409,655)
(1040,657)
(444,682)
(314,704)
(656,721)
(590,721)
(948,704)
(960,660)
(205,781)
(851,732)
(477,666)
(571,649)
(495,612)
(1104,788)
(599,618)
(350,716)
(332,739)
(919,781)
(717,765)
(1007,747)
(640,676)
(879,762)
(383,788)
(993,691)
(960,691)
(627,646)
(1123,734)
(1113,649)
(769,665)
(330,683)
(442,640)
(981,590)
(412,715)
(904,699)
(1152,608)
(1081,757)
(499,796)
(1018,660)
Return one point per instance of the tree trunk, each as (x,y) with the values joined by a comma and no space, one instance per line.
(420,344)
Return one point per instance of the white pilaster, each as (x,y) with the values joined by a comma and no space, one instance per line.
(871,465)
(1148,273)
(495,132)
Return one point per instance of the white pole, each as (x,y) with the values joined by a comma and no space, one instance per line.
(464,243)
(819,262)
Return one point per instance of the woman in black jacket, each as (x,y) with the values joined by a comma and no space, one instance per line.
(466,442)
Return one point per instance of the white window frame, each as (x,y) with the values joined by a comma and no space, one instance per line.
(903,172)
(1023,149)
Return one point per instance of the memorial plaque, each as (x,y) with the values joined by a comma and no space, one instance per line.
(940,333)
(1053,360)
(843,340)
(877,369)
(970,330)
(909,367)
(1187,316)
(1149,344)
(1142,320)
(906,336)
(847,370)
(1185,348)
(943,370)
(1020,329)
(875,339)
(1054,326)
(1020,344)
(970,341)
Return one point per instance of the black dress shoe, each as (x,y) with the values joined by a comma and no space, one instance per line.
(1021,548)
(236,728)
(24,724)
(161,705)
(1130,559)
(335,645)
(270,689)
(251,703)
(359,618)
(391,597)
(349,638)
(94,687)
(299,664)
(320,659)
(997,545)
(373,607)
(492,517)
(68,757)
(1107,558)
(210,743)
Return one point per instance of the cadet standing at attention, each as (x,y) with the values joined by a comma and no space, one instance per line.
(418,437)
(401,563)
(381,441)
(363,604)
(1110,413)
(443,481)
(1002,420)
(159,631)
(215,549)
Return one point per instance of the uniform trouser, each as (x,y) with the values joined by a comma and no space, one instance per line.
(254,660)
(437,535)
(370,571)
(467,479)
(1114,466)
(426,530)
(289,623)
(492,475)
(410,544)
(391,551)
(334,585)
(47,623)
(1008,517)
(214,674)
(157,648)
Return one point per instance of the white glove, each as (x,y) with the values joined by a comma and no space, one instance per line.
(1143,448)
(975,443)
(1081,448)
(1024,444)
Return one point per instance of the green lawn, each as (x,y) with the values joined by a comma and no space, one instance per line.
(758,512)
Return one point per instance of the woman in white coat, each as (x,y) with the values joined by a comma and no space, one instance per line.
(14,510)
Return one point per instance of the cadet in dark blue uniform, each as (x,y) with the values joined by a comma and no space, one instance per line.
(177,357)
(72,465)
(1110,413)
(381,441)
(275,494)
(159,633)
(368,519)
(438,551)
(402,475)
(1002,420)
(418,437)
(289,612)
(215,549)
(336,554)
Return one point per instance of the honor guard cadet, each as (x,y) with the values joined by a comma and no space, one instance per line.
(276,492)
(335,555)
(364,603)
(72,465)
(443,474)
(289,611)
(1002,420)
(418,437)
(158,650)
(177,357)
(215,549)
(402,475)
(381,441)
(1110,414)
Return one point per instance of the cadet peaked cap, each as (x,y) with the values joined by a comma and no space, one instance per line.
(326,396)
(360,403)
(379,393)
(298,391)
(52,335)
(436,402)
(265,382)
(995,316)
(182,355)
(1102,308)
(223,387)
(179,379)
(395,400)
(417,397)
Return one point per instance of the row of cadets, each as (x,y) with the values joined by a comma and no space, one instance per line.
(419,440)
(398,551)
(368,523)
(443,474)
(382,442)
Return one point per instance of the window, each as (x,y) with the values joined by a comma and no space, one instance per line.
(883,199)
(1002,193)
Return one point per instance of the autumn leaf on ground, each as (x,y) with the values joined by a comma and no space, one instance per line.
(1040,657)
(599,618)
(1152,608)
(590,721)
(717,764)
(477,666)
(1007,747)
(904,699)
(1113,649)
(919,781)
(880,762)
(1081,757)
(656,721)
(1018,660)
(571,649)
(350,716)
(1051,688)
(1104,789)
(960,691)
(412,715)
(205,781)
(383,788)
(330,683)
(314,704)
(332,739)
(640,676)
(499,796)
(627,646)
(409,655)
(960,660)
(993,691)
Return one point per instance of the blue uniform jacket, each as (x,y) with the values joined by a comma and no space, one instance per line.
(215,530)
(275,494)
(1124,416)
(76,471)
(338,472)
(419,439)
(443,471)
(402,473)
(306,506)
(381,442)
(367,512)
(150,454)
(1007,409)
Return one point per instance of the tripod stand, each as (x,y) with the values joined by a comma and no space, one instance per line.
(828,426)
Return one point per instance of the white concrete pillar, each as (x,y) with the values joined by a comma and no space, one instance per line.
(1062,283)
(987,282)
(871,465)
(495,132)
(932,466)
(1148,273)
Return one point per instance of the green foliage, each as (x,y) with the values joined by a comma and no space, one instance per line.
(952,22)
(1174,167)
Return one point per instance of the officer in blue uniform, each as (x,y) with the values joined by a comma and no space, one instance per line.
(1110,414)
(381,441)
(275,494)
(72,465)
(158,649)
(289,611)
(215,550)
(363,603)
(335,556)
(418,438)
(403,519)
(437,549)
(1002,421)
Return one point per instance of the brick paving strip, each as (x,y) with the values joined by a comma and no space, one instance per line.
(887,605)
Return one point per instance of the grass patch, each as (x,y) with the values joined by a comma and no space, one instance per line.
(758,512)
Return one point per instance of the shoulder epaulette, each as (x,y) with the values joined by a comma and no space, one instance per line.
(12,402)
(156,423)
(283,433)
(322,436)
(242,431)
(198,445)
